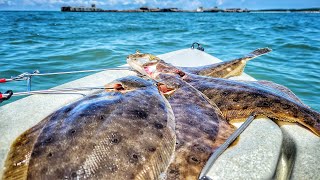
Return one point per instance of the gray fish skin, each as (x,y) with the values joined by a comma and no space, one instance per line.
(237,100)
(226,69)
(127,133)
(200,128)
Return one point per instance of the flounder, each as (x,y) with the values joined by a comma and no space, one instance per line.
(237,100)
(219,70)
(200,127)
(125,133)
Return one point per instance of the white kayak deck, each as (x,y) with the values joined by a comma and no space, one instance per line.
(264,150)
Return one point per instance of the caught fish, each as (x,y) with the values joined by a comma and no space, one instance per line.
(125,133)
(237,100)
(200,127)
(219,70)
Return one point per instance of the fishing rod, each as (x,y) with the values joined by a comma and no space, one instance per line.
(223,147)
(8,94)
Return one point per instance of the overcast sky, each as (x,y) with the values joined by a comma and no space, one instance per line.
(133,4)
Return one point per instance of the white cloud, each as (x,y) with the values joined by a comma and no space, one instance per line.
(219,2)
(7,2)
(113,4)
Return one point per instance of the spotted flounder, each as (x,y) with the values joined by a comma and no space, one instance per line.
(220,70)
(237,100)
(125,133)
(200,127)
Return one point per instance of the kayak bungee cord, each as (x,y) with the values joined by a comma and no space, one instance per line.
(223,147)
(26,75)
(8,94)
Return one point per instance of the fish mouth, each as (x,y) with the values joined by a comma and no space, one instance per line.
(117,87)
(150,70)
(165,90)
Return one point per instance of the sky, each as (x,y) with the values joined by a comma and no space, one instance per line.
(133,4)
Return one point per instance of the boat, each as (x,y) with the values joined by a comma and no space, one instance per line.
(263,151)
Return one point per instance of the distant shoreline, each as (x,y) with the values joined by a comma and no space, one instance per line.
(93,8)
(305,10)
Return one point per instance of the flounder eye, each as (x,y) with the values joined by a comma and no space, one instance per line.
(118,87)
(180,73)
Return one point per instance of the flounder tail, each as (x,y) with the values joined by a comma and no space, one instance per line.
(236,67)
(226,69)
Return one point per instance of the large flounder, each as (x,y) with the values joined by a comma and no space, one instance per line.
(200,128)
(220,70)
(126,133)
(237,100)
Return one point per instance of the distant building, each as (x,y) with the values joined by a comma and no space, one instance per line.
(199,9)
(81,9)
(215,9)
(144,9)
(236,10)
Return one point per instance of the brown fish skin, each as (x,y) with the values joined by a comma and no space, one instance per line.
(16,166)
(200,128)
(226,69)
(127,133)
(219,70)
(237,100)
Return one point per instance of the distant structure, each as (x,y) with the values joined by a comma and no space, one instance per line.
(93,8)
(199,9)
(238,10)
(214,10)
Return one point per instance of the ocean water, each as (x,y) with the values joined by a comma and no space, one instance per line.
(56,41)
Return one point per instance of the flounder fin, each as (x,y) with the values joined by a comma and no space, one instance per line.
(18,158)
(226,69)
(286,92)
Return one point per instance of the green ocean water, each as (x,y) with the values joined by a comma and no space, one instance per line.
(57,41)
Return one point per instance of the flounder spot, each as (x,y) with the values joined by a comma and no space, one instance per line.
(199,148)
(72,132)
(115,138)
(152,149)
(158,125)
(44,170)
(134,157)
(49,155)
(74,174)
(140,114)
(285,106)
(36,153)
(102,117)
(193,159)
(263,104)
